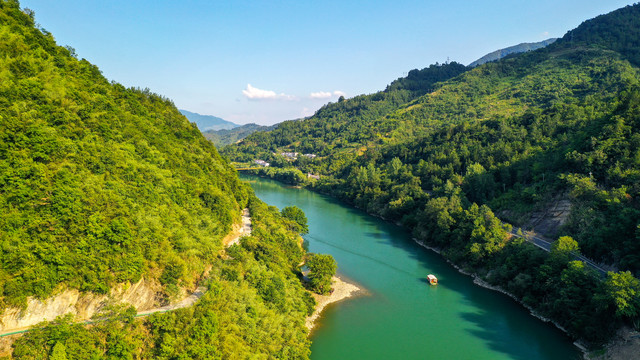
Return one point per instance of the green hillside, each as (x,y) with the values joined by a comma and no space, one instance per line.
(618,31)
(508,136)
(102,185)
(255,308)
(345,124)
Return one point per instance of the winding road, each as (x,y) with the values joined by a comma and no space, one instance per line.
(546,246)
(233,238)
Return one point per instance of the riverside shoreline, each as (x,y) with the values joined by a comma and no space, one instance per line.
(341,290)
(477,281)
(480,282)
(626,344)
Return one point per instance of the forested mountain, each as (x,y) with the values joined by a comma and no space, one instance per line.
(510,136)
(618,31)
(208,122)
(255,308)
(516,49)
(346,123)
(102,185)
(224,137)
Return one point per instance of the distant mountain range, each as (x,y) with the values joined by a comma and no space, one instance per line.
(208,122)
(520,48)
(222,133)
(224,137)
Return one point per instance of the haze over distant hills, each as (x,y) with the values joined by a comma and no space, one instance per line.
(208,122)
(229,136)
(516,49)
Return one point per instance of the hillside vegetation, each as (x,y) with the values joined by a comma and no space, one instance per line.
(100,185)
(509,136)
(255,308)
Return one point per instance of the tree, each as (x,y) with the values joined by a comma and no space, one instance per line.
(562,249)
(624,290)
(297,216)
(321,269)
(59,352)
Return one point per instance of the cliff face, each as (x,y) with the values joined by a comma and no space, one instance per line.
(143,295)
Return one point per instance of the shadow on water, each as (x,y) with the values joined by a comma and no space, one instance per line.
(495,332)
(378,235)
(491,331)
(486,327)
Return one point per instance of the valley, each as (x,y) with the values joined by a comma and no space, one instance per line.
(131,229)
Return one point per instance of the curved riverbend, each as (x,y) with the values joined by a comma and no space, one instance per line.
(403,317)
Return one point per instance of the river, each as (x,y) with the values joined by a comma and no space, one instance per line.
(401,316)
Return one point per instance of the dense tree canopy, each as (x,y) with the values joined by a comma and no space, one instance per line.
(255,308)
(99,184)
(322,268)
(297,216)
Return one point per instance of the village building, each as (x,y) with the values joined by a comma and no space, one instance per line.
(290,155)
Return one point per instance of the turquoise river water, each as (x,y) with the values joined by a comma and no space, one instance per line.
(401,316)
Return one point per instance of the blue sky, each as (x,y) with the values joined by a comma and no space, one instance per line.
(269,61)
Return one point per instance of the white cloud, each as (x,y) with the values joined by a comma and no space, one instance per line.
(253,93)
(320,95)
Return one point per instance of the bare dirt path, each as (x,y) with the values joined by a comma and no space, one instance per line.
(239,230)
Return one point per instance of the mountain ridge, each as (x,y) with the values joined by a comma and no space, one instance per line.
(208,122)
(516,49)
(225,137)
